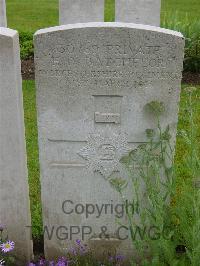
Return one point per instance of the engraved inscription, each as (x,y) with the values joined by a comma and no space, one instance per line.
(107,108)
(104,151)
(107,118)
(107,152)
(112,63)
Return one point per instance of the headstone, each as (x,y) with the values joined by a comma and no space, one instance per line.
(81,11)
(138,11)
(14,195)
(93,83)
(3,19)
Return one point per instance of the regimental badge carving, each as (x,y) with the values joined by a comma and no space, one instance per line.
(104,151)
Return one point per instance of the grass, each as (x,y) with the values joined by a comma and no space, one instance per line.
(109,10)
(28,16)
(183,123)
(33,156)
(31,15)
(182,8)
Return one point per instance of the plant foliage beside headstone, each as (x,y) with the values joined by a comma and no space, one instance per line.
(167,231)
(191,32)
(26,45)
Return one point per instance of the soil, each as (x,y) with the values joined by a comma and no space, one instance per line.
(28,69)
(28,72)
(191,78)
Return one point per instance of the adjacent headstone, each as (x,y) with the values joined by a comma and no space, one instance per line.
(138,11)
(14,195)
(3,19)
(81,11)
(93,83)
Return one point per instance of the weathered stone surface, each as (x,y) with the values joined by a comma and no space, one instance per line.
(14,198)
(3,19)
(81,11)
(93,82)
(138,11)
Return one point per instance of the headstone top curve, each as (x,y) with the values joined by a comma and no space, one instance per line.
(8,32)
(109,25)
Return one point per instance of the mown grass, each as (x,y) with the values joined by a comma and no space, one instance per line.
(183,123)
(33,156)
(181,8)
(28,15)
(109,10)
(31,15)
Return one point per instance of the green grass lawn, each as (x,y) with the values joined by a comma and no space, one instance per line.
(29,15)
(181,8)
(33,156)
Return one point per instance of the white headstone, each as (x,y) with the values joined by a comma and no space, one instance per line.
(3,19)
(93,82)
(14,194)
(81,11)
(138,11)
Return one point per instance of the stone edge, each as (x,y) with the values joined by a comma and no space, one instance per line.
(108,25)
(7,32)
